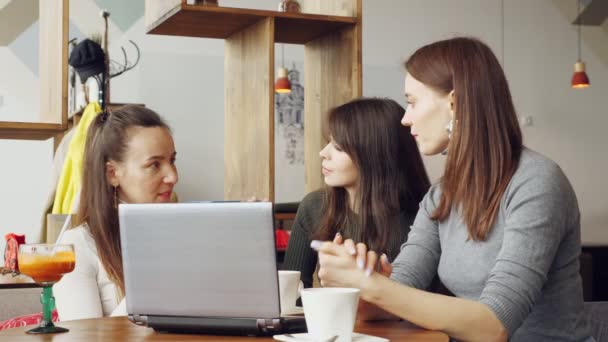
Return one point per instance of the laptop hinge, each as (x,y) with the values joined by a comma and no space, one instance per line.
(139,319)
(269,325)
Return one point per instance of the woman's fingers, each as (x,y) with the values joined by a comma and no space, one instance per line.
(350,247)
(329,265)
(361,255)
(385,266)
(338,238)
(327,247)
(372,259)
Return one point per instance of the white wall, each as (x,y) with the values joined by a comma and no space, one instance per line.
(20,100)
(540,51)
(182,78)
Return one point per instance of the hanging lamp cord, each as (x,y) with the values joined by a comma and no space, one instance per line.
(283,55)
(578,19)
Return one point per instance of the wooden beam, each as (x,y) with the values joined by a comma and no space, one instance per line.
(332,75)
(249,113)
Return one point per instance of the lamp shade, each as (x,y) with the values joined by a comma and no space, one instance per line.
(282,84)
(580,78)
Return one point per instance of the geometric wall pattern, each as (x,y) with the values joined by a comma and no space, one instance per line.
(19,29)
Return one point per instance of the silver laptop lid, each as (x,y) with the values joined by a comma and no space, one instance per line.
(199,259)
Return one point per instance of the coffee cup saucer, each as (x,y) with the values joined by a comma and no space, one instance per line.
(304,337)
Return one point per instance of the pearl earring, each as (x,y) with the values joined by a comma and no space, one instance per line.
(449,128)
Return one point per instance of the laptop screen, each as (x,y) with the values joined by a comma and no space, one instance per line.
(200,259)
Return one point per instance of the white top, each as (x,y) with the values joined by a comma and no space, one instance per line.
(86,292)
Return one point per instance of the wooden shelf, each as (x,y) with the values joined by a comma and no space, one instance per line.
(222,22)
(330,31)
(7,286)
(28,130)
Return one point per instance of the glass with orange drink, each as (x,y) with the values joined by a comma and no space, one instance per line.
(46,264)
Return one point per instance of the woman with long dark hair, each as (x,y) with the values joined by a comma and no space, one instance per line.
(374,179)
(129,158)
(501,228)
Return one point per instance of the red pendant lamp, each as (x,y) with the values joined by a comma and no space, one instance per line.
(282,84)
(579,78)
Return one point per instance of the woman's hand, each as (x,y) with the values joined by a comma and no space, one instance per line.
(368,260)
(337,266)
(342,265)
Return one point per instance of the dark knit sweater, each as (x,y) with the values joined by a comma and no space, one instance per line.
(300,257)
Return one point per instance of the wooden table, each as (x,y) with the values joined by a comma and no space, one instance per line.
(120,329)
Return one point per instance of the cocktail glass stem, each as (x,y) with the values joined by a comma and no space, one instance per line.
(48,304)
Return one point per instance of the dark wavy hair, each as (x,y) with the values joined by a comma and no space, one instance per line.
(392,177)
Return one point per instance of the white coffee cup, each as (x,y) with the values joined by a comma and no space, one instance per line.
(330,312)
(289,290)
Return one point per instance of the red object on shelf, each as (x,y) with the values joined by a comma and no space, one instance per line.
(282,239)
(12,250)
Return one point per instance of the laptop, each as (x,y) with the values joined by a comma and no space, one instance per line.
(205,268)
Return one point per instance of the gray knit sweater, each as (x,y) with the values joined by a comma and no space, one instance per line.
(526,272)
(300,257)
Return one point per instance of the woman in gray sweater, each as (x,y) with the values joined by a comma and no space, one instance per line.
(501,228)
(375,180)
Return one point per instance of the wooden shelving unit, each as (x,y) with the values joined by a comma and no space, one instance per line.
(53,51)
(222,22)
(28,130)
(331,34)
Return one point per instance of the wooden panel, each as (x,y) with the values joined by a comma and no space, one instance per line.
(332,76)
(53,56)
(28,130)
(249,113)
(222,22)
(158,10)
(349,8)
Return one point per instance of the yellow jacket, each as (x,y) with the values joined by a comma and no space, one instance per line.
(70,179)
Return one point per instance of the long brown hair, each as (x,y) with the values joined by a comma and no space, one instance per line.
(107,139)
(486,143)
(392,177)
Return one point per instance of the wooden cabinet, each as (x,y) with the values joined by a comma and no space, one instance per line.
(53,58)
(331,34)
